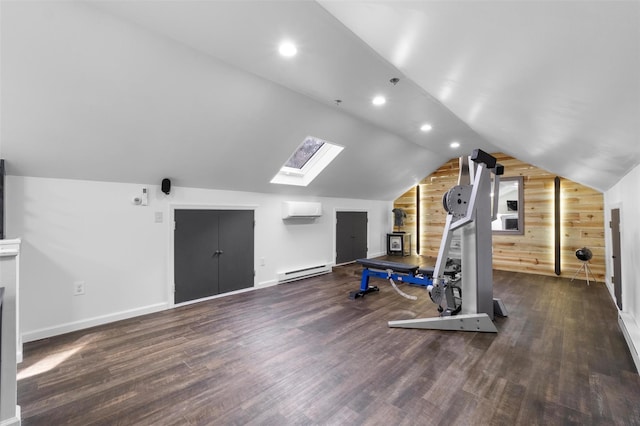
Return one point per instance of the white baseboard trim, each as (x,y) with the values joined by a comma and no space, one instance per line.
(269,283)
(631,333)
(43,333)
(57,330)
(217,296)
(13,421)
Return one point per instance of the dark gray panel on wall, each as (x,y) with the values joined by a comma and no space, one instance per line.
(351,236)
(213,252)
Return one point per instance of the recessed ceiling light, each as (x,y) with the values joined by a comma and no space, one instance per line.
(426,127)
(455,144)
(287,49)
(379,100)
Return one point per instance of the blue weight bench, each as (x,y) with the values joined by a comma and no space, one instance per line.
(401,272)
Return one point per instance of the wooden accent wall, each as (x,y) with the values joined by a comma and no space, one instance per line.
(582,216)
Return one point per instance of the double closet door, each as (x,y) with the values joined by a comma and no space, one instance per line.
(213,252)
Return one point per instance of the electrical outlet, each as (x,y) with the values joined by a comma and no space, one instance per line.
(78,288)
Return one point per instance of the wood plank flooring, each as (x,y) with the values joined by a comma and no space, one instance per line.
(304,354)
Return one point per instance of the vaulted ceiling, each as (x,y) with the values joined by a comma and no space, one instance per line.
(134,91)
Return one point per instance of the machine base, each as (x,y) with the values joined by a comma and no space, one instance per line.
(499,309)
(465,322)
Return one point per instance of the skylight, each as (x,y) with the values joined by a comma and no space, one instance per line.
(304,153)
(306,162)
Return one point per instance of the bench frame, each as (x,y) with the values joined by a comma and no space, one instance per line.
(400,272)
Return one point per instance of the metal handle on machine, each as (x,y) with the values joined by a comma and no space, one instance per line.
(217,252)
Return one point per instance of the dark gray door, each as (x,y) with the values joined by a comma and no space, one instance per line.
(236,250)
(213,252)
(196,263)
(615,249)
(351,236)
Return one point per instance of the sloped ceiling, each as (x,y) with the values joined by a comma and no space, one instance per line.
(553,83)
(195,90)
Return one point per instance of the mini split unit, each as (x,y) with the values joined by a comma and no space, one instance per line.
(301,209)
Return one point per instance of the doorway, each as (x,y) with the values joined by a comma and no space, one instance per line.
(351,236)
(213,252)
(615,254)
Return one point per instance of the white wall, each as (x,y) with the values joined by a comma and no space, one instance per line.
(88,231)
(624,195)
(123,104)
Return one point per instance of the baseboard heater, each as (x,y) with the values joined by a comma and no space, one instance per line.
(299,274)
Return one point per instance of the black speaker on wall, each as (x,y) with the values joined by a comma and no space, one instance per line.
(166,185)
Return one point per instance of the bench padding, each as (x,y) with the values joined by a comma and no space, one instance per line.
(384,265)
(428,271)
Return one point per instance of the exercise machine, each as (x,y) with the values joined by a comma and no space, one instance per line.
(469,212)
(465,300)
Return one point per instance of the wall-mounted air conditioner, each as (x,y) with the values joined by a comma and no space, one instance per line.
(301,209)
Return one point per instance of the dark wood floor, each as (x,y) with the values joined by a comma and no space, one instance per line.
(303,353)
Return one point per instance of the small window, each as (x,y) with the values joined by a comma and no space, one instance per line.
(306,162)
(304,153)
(510,214)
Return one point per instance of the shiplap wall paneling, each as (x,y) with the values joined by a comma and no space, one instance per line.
(581,212)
